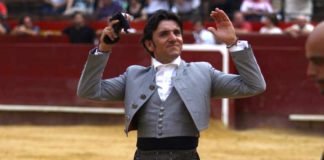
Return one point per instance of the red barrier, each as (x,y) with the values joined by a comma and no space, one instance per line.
(33,39)
(48,73)
(289,90)
(40,73)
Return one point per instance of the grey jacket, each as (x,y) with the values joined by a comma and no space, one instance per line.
(195,82)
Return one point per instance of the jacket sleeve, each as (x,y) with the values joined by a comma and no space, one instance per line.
(248,82)
(91,86)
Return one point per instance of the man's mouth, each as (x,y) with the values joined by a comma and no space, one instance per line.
(173,45)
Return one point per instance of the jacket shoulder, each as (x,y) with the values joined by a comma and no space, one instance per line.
(202,65)
(137,69)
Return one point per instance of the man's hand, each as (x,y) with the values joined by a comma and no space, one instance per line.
(107,31)
(223,30)
(111,33)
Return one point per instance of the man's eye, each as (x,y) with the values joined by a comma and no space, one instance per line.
(162,34)
(177,32)
(318,61)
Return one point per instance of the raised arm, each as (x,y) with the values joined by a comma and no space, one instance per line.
(250,80)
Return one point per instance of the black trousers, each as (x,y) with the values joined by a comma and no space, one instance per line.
(166,155)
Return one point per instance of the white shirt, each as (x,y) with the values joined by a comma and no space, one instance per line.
(204,37)
(155,5)
(186,6)
(163,76)
(264,6)
(306,28)
(274,30)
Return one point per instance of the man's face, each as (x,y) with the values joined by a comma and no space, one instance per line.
(315,56)
(166,41)
(28,22)
(78,20)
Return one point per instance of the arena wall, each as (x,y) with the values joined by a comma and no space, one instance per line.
(45,71)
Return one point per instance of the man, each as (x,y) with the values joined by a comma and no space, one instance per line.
(240,24)
(168,103)
(301,26)
(315,55)
(202,35)
(26,27)
(79,31)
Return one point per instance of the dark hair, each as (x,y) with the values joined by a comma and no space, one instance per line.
(273,18)
(76,13)
(153,23)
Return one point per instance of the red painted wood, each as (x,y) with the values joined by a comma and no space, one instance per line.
(47,73)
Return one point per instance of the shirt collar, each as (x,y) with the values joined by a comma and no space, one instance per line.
(176,62)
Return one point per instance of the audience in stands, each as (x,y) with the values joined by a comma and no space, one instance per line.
(240,24)
(84,6)
(54,7)
(301,26)
(202,35)
(253,10)
(79,31)
(153,5)
(3,9)
(26,27)
(4,27)
(270,25)
(228,6)
(294,8)
(187,9)
(107,8)
(136,9)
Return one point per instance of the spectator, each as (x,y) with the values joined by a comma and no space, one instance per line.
(26,27)
(3,9)
(301,26)
(253,10)
(79,31)
(135,8)
(54,6)
(84,6)
(107,8)
(4,27)
(153,5)
(295,8)
(226,5)
(240,24)
(315,56)
(270,23)
(187,9)
(202,35)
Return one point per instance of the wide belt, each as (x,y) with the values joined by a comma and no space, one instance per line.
(169,143)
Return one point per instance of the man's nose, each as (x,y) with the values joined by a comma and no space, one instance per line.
(172,37)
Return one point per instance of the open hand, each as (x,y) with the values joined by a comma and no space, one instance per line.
(223,30)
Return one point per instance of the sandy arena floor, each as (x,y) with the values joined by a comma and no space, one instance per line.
(110,143)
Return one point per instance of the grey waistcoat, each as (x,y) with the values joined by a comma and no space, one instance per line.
(165,119)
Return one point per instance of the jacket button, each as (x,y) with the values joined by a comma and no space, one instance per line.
(143,96)
(134,106)
(161,114)
(152,87)
(162,109)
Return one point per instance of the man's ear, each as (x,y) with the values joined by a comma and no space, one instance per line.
(149,45)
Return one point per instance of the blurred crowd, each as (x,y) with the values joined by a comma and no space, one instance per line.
(243,14)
